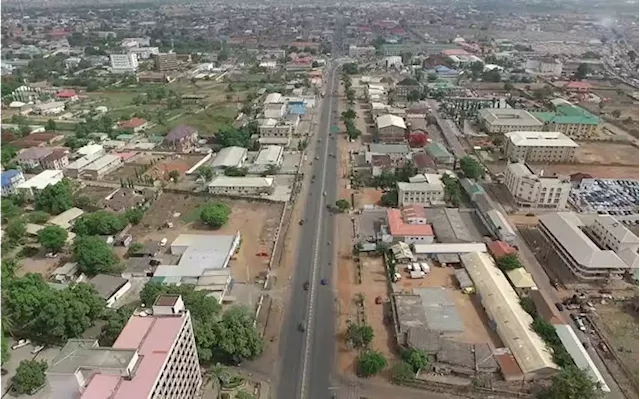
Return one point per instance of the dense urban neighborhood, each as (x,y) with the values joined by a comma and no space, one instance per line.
(389,200)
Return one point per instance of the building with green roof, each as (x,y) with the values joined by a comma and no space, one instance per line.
(574,121)
(439,153)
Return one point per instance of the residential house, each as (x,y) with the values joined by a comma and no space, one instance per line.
(10,180)
(182,139)
(57,159)
(409,225)
(439,153)
(425,193)
(251,186)
(40,182)
(31,157)
(390,129)
(49,108)
(134,124)
(69,95)
(406,86)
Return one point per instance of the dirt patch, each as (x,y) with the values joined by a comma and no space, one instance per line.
(607,154)
(96,193)
(256,221)
(368,196)
(597,171)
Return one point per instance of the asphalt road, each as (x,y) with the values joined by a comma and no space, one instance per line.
(307,357)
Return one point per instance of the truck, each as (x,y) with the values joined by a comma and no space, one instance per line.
(425,267)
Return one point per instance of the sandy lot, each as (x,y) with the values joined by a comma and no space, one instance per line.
(474,318)
(367,196)
(607,154)
(256,221)
(38,264)
(598,171)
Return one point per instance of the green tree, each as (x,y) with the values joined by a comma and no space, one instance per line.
(8,153)
(572,383)
(116,320)
(99,223)
(236,336)
(348,114)
(215,214)
(414,96)
(389,198)
(509,262)
(360,335)
(235,171)
(616,113)
(350,68)
(529,306)
(471,168)
(416,358)
(94,255)
(452,191)
(50,125)
(134,215)
(508,86)
(29,376)
(343,204)
(52,238)
(38,217)
(9,210)
(370,363)
(6,355)
(174,175)
(56,198)
(229,136)
(205,172)
(402,371)
(582,71)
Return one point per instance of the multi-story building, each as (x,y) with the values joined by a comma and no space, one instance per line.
(166,62)
(544,66)
(423,193)
(101,166)
(182,138)
(273,131)
(539,147)
(406,86)
(532,190)
(362,51)
(10,180)
(439,153)
(144,53)
(30,158)
(609,233)
(154,357)
(504,120)
(390,129)
(575,122)
(124,63)
(39,182)
(569,243)
(409,225)
(57,159)
(226,185)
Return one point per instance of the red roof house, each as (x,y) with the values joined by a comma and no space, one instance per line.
(67,94)
(135,124)
(500,249)
(406,225)
(578,87)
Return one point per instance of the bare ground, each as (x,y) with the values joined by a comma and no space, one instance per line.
(607,154)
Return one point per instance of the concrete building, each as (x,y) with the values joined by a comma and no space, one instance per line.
(426,194)
(575,122)
(570,243)
(124,63)
(11,179)
(274,131)
(166,62)
(390,129)
(362,51)
(609,233)
(182,138)
(270,155)
(39,182)
(57,159)
(510,321)
(49,108)
(155,356)
(95,150)
(75,168)
(30,158)
(101,166)
(521,280)
(532,190)
(406,86)
(110,288)
(544,66)
(539,147)
(396,152)
(504,120)
(274,110)
(439,153)
(229,157)
(497,223)
(226,185)
(144,53)
(409,225)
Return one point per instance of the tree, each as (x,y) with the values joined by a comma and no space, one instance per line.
(350,68)
(236,336)
(9,210)
(6,355)
(452,191)
(235,171)
(414,96)
(509,262)
(343,204)
(370,363)
(471,168)
(389,198)
(8,153)
(416,358)
(491,76)
(29,376)
(616,113)
(55,199)
(174,175)
(99,223)
(215,214)
(572,383)
(581,72)
(229,136)
(93,255)
(116,320)
(134,215)
(50,125)
(417,140)
(402,371)
(348,114)
(38,217)
(52,238)
(16,229)
(497,140)
(529,306)
(508,86)
(360,335)
(205,172)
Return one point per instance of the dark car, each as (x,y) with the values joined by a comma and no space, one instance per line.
(301,222)
(559,306)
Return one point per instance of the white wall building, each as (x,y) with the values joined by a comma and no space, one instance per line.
(270,155)
(102,166)
(504,120)
(544,66)
(11,179)
(40,182)
(532,190)
(610,233)
(539,147)
(425,194)
(124,63)
(226,185)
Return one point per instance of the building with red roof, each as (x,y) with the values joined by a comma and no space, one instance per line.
(499,249)
(155,356)
(578,87)
(67,95)
(409,225)
(134,124)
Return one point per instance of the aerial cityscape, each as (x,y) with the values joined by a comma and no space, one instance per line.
(331,200)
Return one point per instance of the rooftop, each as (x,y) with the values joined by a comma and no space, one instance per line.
(102,162)
(540,139)
(179,132)
(390,120)
(399,228)
(509,116)
(246,181)
(269,155)
(229,156)
(568,114)
(520,278)
(437,150)
(107,285)
(43,179)
(389,148)
(65,219)
(9,175)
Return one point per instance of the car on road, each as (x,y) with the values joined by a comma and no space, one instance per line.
(301,222)
(301,327)
(21,343)
(305,286)
(324,193)
(317,158)
(559,306)
(323,281)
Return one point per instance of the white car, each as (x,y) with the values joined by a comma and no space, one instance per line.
(37,349)
(163,242)
(20,344)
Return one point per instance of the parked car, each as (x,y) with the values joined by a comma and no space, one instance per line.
(20,344)
(559,306)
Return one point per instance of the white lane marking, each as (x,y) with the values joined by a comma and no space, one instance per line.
(314,269)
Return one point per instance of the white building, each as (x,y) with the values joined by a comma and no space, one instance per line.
(95,150)
(609,233)
(425,194)
(274,110)
(361,51)
(124,63)
(40,182)
(50,108)
(11,179)
(144,53)
(227,185)
(504,120)
(539,147)
(570,242)
(532,190)
(270,155)
(102,166)
(273,131)
(155,356)
(230,157)
(544,66)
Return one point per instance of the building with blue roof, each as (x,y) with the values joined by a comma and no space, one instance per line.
(10,180)
(297,108)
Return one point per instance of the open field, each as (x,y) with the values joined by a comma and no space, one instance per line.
(256,222)
(607,154)
(597,171)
